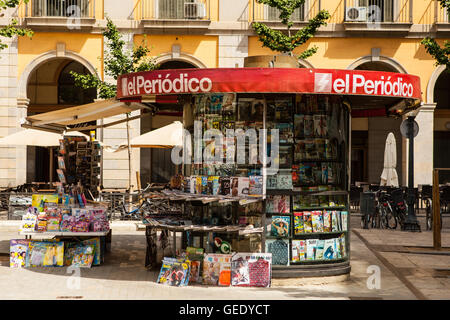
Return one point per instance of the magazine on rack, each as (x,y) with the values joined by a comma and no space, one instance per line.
(18,250)
(298,223)
(217,269)
(280,226)
(311,246)
(279,248)
(298,250)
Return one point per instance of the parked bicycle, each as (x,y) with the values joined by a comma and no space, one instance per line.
(429,213)
(386,217)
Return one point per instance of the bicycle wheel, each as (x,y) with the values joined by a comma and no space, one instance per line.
(390,219)
(429,218)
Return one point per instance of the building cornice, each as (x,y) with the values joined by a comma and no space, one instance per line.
(214,28)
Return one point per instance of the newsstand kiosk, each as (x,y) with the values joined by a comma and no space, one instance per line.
(295,161)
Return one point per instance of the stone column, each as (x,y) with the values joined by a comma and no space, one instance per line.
(232,50)
(115,165)
(12,159)
(423,145)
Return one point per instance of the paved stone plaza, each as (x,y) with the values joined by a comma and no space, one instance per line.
(407,272)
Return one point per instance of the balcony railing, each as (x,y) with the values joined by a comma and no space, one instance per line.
(389,11)
(175,9)
(61,8)
(441,14)
(307,11)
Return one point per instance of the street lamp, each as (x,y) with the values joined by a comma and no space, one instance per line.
(412,129)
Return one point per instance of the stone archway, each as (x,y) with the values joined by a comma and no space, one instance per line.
(33,65)
(432,83)
(367,157)
(388,63)
(182,57)
(46,85)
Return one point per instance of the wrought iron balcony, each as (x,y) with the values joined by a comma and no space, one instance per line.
(61,8)
(174,9)
(265,13)
(441,14)
(378,15)
(381,11)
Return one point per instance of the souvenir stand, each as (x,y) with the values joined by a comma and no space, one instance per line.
(296,170)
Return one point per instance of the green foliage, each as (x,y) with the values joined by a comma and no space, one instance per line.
(12,30)
(277,40)
(440,54)
(118,61)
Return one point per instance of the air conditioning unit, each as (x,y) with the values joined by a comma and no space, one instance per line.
(356,14)
(194,10)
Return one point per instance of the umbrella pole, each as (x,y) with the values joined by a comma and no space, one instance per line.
(129,153)
(51,165)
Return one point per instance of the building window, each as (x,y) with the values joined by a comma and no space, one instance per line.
(60,8)
(370,10)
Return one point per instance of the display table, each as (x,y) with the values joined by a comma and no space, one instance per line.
(105,236)
(152,229)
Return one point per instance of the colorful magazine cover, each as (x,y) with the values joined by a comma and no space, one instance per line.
(279,248)
(243,186)
(251,269)
(327,221)
(204,184)
(198,185)
(298,223)
(97,249)
(280,226)
(18,250)
(217,269)
(320,249)
(344,220)
(334,221)
(342,246)
(284,181)
(192,184)
(271,182)
(28,223)
(173,272)
(83,256)
(215,184)
(225,186)
(256,185)
(46,254)
(307,222)
(311,246)
(283,204)
(317,222)
(234,186)
(329,249)
(298,250)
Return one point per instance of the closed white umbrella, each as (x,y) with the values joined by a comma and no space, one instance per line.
(389,176)
(37,138)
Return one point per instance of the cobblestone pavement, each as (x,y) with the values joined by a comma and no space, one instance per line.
(404,275)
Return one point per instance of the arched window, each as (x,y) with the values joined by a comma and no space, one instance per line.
(175,64)
(68,93)
(442,91)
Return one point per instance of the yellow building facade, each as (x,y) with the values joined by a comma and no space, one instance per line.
(380,35)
